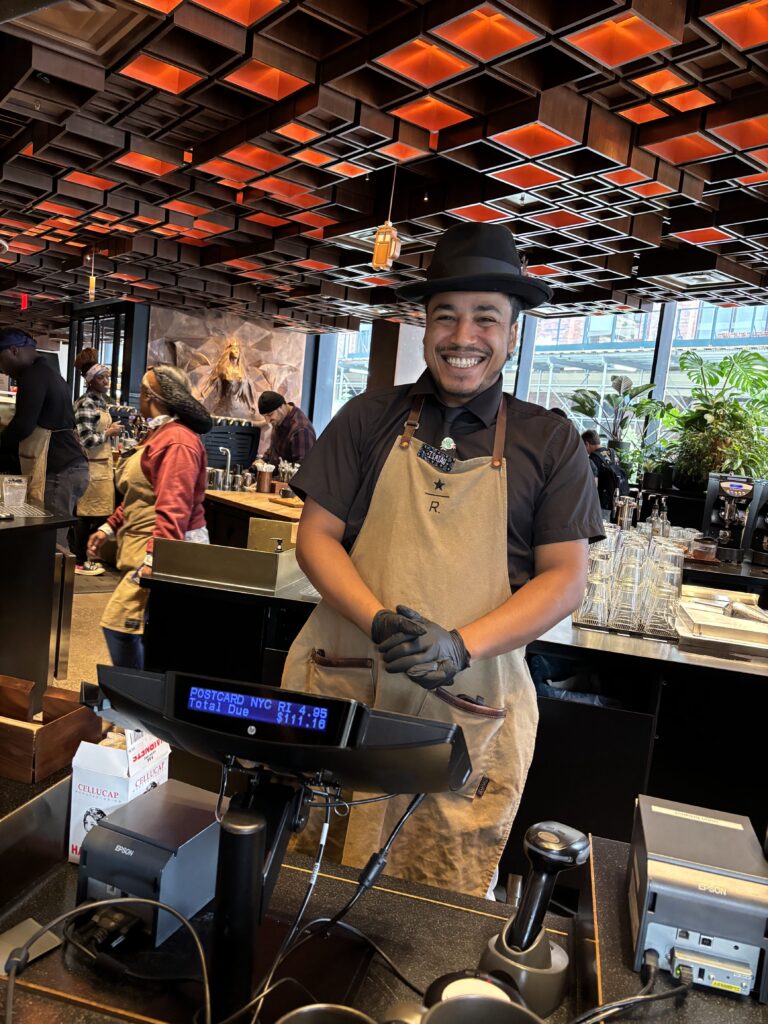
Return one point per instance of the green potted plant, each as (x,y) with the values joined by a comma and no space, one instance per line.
(725,428)
(612,413)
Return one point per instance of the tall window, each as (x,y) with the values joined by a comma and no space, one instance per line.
(587,352)
(713,331)
(350,374)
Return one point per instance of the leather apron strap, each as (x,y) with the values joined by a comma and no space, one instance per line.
(500,436)
(413,422)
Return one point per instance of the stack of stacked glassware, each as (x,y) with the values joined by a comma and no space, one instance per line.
(634,582)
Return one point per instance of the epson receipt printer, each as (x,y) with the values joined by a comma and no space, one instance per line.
(698,895)
(163,845)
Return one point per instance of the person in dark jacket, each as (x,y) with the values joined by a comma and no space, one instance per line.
(43,428)
(292,433)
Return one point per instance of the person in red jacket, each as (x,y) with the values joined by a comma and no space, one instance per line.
(163,486)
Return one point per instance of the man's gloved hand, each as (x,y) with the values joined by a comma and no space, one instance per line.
(387,624)
(432,658)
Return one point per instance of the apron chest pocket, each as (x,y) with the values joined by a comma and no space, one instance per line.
(351,678)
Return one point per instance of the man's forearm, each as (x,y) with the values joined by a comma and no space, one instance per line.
(330,569)
(528,613)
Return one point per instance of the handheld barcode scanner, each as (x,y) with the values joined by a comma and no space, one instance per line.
(522,952)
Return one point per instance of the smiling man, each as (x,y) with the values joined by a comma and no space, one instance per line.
(446,526)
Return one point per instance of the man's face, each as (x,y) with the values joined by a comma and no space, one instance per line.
(468,338)
(276,417)
(14,361)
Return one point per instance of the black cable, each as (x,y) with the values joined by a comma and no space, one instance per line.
(377,862)
(293,930)
(357,803)
(642,998)
(120,970)
(249,1006)
(19,957)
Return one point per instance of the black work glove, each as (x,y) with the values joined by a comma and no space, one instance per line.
(387,623)
(431,659)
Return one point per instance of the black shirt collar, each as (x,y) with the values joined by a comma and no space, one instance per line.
(484,406)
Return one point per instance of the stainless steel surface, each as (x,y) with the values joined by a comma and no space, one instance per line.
(225,568)
(226,452)
(61,664)
(567,635)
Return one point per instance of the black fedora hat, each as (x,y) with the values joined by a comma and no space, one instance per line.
(477,258)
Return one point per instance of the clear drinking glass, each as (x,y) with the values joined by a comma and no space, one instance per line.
(14,490)
(661,611)
(595,604)
(625,607)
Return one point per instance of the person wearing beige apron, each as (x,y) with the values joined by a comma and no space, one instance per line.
(42,430)
(94,428)
(446,526)
(163,486)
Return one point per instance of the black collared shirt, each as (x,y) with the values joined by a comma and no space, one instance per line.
(551,493)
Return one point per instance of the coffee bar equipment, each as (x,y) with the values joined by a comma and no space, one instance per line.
(756,531)
(725,513)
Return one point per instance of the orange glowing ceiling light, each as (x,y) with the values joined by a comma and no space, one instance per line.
(478,212)
(191,209)
(123,277)
(560,219)
(268,220)
(660,81)
(243,264)
(759,178)
(313,157)
(430,113)
(265,80)
(297,132)
(761,155)
(159,74)
(402,152)
(210,226)
(542,270)
(313,265)
(226,169)
(625,176)
(280,187)
(643,113)
(347,169)
(651,189)
(110,218)
(304,202)
(703,236)
(685,148)
(244,12)
(526,176)
(746,25)
(313,220)
(146,164)
(164,6)
(423,62)
(747,134)
(376,282)
(618,40)
(257,156)
(485,33)
(90,181)
(534,139)
(691,99)
(259,275)
(65,211)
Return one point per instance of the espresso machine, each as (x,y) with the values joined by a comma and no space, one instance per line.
(756,530)
(725,513)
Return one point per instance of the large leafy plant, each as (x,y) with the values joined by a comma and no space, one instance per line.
(725,428)
(613,412)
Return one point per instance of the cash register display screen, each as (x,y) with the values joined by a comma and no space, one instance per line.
(261,712)
(258,708)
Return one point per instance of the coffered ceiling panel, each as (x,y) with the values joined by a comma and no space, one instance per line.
(240,154)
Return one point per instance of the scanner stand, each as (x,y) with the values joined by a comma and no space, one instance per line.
(255,831)
(540,972)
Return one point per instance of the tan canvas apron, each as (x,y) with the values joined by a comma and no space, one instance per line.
(33,458)
(436,541)
(126,607)
(99,498)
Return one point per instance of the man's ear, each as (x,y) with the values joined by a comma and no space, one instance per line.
(513,338)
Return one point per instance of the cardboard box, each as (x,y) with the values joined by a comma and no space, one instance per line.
(33,750)
(104,778)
